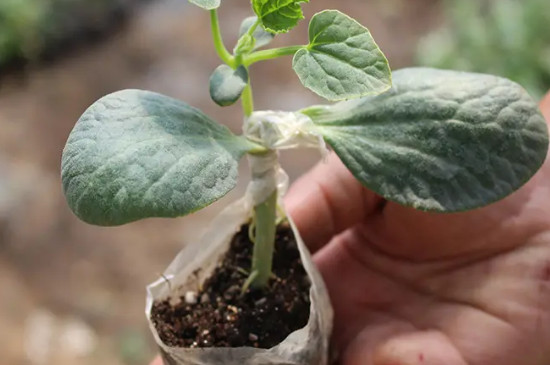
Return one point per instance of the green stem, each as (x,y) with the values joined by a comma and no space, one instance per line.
(262,255)
(265,217)
(253,27)
(270,54)
(247,100)
(223,53)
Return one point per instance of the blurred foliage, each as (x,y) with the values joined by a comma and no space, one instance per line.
(17,20)
(510,38)
(31,28)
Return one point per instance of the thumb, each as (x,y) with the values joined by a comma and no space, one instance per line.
(405,347)
(328,200)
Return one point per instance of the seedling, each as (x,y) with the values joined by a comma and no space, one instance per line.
(438,141)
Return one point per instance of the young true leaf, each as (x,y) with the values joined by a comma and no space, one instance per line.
(137,154)
(279,16)
(227,85)
(262,37)
(246,44)
(342,61)
(439,140)
(206,4)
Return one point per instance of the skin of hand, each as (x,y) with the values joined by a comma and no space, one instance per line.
(416,288)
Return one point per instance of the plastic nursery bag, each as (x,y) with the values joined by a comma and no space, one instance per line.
(306,346)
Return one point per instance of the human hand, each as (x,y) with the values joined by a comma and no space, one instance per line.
(416,288)
(157,361)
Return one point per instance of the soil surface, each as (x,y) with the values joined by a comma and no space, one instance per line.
(223,317)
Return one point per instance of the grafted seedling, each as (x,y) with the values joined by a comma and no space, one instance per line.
(439,141)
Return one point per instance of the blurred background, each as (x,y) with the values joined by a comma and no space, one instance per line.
(71,293)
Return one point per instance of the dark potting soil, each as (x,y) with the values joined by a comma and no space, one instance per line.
(222,317)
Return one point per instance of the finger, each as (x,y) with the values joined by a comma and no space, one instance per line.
(395,342)
(361,349)
(157,361)
(418,348)
(326,201)
(545,106)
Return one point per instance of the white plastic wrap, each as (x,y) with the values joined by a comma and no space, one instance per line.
(306,346)
(279,130)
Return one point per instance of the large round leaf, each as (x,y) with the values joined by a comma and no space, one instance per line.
(439,140)
(137,154)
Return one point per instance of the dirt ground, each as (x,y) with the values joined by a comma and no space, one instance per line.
(71,293)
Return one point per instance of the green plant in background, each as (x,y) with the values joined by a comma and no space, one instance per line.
(29,28)
(19,22)
(510,38)
(439,141)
